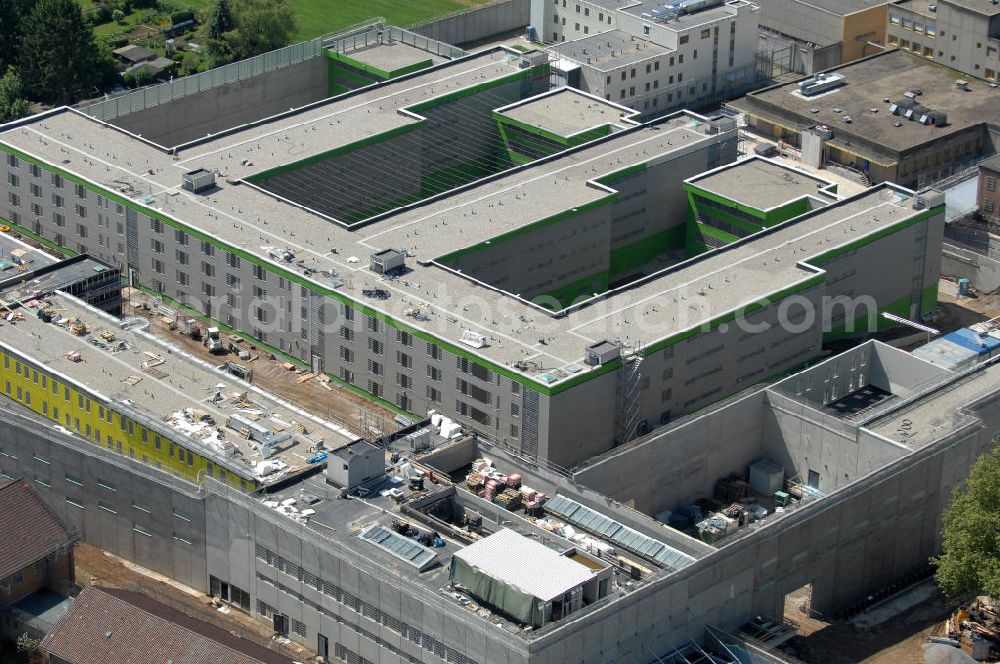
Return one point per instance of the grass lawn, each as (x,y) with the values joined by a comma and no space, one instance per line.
(319,17)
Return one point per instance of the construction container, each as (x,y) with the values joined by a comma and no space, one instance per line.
(766,477)
(964,286)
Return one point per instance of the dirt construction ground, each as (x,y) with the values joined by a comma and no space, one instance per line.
(315,395)
(899,640)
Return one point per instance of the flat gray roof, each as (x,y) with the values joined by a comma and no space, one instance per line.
(843,7)
(610,50)
(760,183)
(987,7)
(940,412)
(567,111)
(869,82)
(390,56)
(151,377)
(68,273)
(992,163)
(917,7)
(253,221)
(9,243)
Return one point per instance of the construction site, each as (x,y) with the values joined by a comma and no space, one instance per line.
(621,473)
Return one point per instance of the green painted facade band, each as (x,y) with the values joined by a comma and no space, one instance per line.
(630,256)
(928,299)
(518,147)
(732,315)
(580,289)
(538,70)
(294,278)
(878,235)
(567,141)
(343,149)
(524,230)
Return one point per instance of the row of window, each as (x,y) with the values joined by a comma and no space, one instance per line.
(352,602)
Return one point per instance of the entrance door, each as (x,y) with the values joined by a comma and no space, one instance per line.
(813,479)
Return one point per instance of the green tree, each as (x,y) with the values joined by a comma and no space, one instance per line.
(30,647)
(59,61)
(12,102)
(262,25)
(971,558)
(12,14)
(221,21)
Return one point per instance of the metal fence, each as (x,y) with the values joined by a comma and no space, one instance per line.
(154,95)
(385,33)
(353,38)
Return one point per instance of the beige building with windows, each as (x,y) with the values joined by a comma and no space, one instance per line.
(961,34)
(648,56)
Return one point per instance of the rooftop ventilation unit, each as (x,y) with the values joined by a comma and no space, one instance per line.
(198,180)
(820,83)
(601,353)
(679,8)
(387,261)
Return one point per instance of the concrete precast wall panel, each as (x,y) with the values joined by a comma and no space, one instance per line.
(477,24)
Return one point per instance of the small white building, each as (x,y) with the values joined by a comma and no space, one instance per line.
(527,580)
(355,464)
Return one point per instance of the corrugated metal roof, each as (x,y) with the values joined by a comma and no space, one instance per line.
(101,628)
(41,531)
(529,566)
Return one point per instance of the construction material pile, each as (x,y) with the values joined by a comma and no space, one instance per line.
(503,490)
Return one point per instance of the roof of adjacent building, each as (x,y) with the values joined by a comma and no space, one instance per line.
(529,566)
(567,111)
(40,532)
(610,50)
(985,7)
(993,163)
(134,53)
(109,626)
(392,56)
(47,277)
(761,183)
(868,83)
(252,221)
(842,7)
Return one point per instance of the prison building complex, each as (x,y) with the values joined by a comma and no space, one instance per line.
(535,263)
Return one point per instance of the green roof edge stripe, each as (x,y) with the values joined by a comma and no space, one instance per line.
(530,228)
(725,318)
(698,191)
(571,140)
(291,276)
(336,56)
(349,147)
(877,235)
(473,89)
(39,239)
